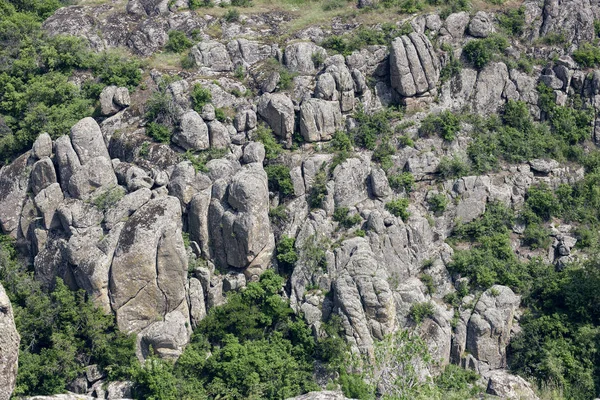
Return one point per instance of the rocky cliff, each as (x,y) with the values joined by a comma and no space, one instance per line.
(159,242)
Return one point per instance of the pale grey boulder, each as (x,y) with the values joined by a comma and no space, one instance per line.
(489,327)
(219,135)
(9,347)
(14,183)
(320,119)
(350,179)
(66,159)
(481,25)
(185,182)
(490,88)
(414,65)
(96,173)
(148,277)
(254,152)
(42,147)
(456,24)
(246,53)
(298,57)
(379,183)
(212,55)
(88,141)
(107,106)
(197,301)
(47,201)
(277,110)
(136,178)
(192,133)
(509,387)
(42,175)
(122,210)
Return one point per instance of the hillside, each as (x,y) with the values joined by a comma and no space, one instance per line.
(295,199)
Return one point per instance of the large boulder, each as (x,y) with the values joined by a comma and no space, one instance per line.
(509,387)
(277,110)
(414,66)
(88,141)
(14,183)
(238,221)
(9,347)
(320,119)
(148,278)
(212,55)
(192,133)
(298,57)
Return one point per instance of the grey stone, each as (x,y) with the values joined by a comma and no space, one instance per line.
(47,201)
(66,160)
(414,66)
(9,347)
(543,166)
(379,183)
(298,57)
(96,173)
(107,106)
(42,175)
(456,24)
(510,387)
(88,141)
(277,110)
(212,55)
(42,147)
(254,152)
(219,135)
(481,25)
(14,182)
(319,119)
(192,133)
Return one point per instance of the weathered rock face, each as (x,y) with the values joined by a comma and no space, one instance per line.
(238,220)
(278,112)
(148,276)
(192,133)
(319,119)
(14,182)
(414,66)
(9,347)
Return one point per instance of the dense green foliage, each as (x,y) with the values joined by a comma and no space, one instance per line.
(446,125)
(364,37)
(480,52)
(252,347)
(61,331)
(342,215)
(178,42)
(280,179)
(402,181)
(513,21)
(515,137)
(200,97)
(35,92)
(272,148)
(587,55)
(286,253)
(398,208)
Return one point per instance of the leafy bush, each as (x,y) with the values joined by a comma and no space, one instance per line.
(446,125)
(159,132)
(341,142)
(453,167)
(542,201)
(272,148)
(286,78)
(402,181)
(341,215)
(587,55)
(438,202)
(319,189)
(232,15)
(280,180)
(536,236)
(420,311)
(513,21)
(200,97)
(453,66)
(200,158)
(178,42)
(363,37)
(373,127)
(398,208)
(428,282)
(480,52)
(286,253)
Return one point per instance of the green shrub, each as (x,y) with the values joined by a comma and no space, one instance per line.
(178,42)
(232,15)
(402,181)
(513,21)
(286,78)
(220,115)
(542,202)
(109,198)
(280,179)
(319,189)
(453,66)
(453,167)
(420,311)
(536,236)
(200,97)
(428,282)
(446,125)
(480,52)
(341,215)
(438,202)
(318,58)
(587,55)
(286,253)
(398,208)
(272,148)
(159,132)
(373,127)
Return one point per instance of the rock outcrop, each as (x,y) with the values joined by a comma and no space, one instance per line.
(9,347)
